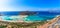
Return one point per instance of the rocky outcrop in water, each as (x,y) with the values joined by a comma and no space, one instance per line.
(28,13)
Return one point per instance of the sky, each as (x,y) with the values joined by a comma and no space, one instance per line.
(29,5)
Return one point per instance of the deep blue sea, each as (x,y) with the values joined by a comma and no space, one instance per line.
(41,15)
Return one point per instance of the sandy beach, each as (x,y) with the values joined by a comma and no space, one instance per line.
(19,17)
(46,25)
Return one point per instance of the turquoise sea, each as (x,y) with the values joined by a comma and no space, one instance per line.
(40,16)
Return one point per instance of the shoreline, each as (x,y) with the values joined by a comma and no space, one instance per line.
(42,24)
(50,22)
(23,16)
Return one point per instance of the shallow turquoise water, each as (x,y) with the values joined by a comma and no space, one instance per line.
(28,18)
(39,18)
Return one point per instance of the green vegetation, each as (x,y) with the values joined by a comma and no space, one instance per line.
(24,25)
(2,26)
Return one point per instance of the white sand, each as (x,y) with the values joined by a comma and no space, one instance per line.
(19,17)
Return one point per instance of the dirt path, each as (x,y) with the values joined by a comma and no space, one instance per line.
(49,23)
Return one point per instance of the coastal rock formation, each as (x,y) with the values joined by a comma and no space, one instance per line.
(54,23)
(28,13)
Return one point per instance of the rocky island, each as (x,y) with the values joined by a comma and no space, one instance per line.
(19,18)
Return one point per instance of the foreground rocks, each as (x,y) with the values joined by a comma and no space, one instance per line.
(54,23)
